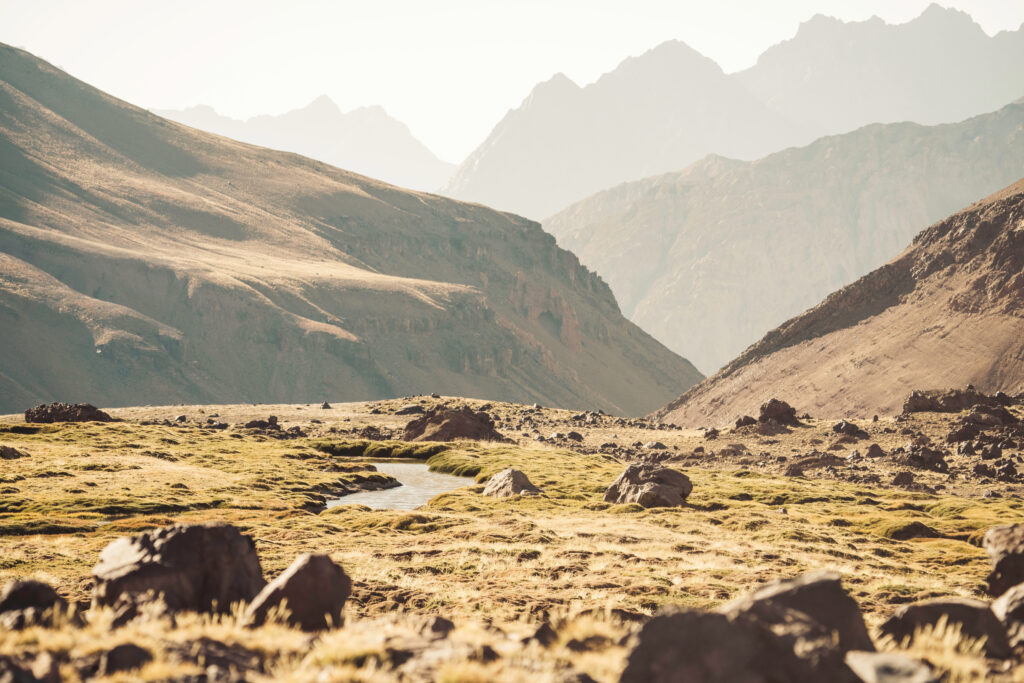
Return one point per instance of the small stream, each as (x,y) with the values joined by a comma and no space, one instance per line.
(418,486)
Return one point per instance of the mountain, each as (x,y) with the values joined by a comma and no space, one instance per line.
(144,262)
(949,311)
(364,140)
(938,68)
(670,107)
(657,112)
(710,258)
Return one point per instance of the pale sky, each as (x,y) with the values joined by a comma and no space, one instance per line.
(449,69)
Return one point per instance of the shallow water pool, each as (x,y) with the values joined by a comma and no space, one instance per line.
(418,486)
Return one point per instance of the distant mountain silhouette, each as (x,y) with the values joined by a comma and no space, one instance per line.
(710,258)
(654,113)
(143,261)
(670,107)
(364,140)
(940,67)
(947,312)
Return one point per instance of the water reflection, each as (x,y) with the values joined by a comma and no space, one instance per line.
(418,486)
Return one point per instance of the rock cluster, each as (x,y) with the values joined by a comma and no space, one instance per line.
(951,400)
(66,412)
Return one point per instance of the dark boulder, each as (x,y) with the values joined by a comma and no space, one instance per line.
(313,590)
(410,409)
(66,412)
(201,568)
(975,618)
(508,483)
(650,486)
(125,657)
(849,429)
(875,451)
(745,421)
(9,453)
(25,603)
(1005,548)
(778,412)
(819,595)
(449,425)
(1009,609)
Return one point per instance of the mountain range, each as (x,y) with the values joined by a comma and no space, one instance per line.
(145,262)
(947,312)
(365,140)
(710,258)
(669,107)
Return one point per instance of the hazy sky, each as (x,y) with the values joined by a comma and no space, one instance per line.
(450,69)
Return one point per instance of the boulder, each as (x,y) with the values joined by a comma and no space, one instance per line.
(9,453)
(820,596)
(975,618)
(125,657)
(875,451)
(574,436)
(452,424)
(1009,609)
(313,590)
(508,483)
(649,486)
(778,412)
(682,645)
(410,409)
(66,412)
(655,446)
(889,667)
(849,429)
(325,406)
(201,568)
(25,603)
(1005,548)
(745,421)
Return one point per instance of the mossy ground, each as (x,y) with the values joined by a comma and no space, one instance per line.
(474,559)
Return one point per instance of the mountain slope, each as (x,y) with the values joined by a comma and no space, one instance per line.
(145,262)
(668,108)
(937,68)
(364,140)
(654,113)
(710,258)
(949,311)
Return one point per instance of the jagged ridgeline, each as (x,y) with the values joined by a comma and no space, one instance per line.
(144,262)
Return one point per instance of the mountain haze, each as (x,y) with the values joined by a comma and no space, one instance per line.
(364,140)
(144,262)
(949,311)
(668,108)
(710,258)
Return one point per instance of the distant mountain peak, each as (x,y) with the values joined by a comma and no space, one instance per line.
(323,105)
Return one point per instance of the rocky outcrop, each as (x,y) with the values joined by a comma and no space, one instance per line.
(66,412)
(508,483)
(201,568)
(778,412)
(452,424)
(313,591)
(650,486)
(950,400)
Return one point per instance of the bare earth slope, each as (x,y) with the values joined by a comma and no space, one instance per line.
(711,258)
(949,311)
(145,262)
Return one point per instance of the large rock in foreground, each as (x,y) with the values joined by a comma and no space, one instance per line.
(449,425)
(508,483)
(313,590)
(66,412)
(650,486)
(820,595)
(201,568)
